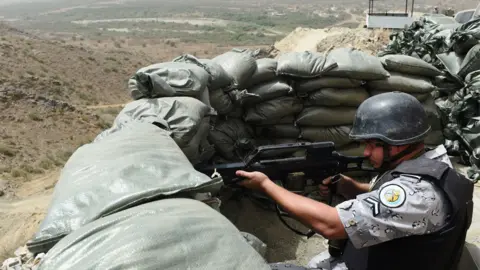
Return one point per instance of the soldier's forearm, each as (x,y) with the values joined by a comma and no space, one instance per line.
(362,187)
(320,217)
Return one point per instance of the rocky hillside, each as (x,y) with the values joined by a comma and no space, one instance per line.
(46,88)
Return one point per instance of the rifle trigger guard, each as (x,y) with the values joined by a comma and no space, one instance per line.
(215,174)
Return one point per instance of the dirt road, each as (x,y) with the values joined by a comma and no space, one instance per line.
(21,217)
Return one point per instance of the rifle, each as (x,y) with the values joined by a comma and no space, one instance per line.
(320,160)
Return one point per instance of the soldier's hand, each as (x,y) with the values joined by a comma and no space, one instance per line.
(344,186)
(253,180)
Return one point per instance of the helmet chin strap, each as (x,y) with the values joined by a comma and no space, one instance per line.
(388,160)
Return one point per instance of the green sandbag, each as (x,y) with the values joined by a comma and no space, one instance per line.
(266,71)
(338,134)
(409,65)
(302,64)
(422,97)
(227,135)
(306,86)
(355,64)
(326,116)
(273,109)
(403,83)
(434,138)
(278,131)
(289,119)
(338,97)
(221,101)
(267,91)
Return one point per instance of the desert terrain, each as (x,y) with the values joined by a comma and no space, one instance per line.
(65,67)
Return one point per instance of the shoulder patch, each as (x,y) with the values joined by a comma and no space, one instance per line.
(392,196)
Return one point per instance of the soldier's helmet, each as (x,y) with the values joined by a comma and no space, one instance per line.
(395,118)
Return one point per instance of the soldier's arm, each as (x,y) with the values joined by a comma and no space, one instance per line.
(402,207)
(320,217)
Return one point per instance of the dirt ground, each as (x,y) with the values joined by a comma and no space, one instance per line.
(21,217)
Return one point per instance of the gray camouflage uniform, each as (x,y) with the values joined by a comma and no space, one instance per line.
(416,207)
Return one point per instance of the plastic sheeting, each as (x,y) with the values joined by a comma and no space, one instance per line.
(187,119)
(137,164)
(165,234)
(169,79)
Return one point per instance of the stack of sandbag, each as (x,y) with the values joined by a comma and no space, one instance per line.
(415,77)
(139,163)
(167,234)
(186,119)
(332,92)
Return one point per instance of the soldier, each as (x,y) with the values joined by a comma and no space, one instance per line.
(435,10)
(417,210)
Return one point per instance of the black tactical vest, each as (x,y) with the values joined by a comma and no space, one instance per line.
(438,251)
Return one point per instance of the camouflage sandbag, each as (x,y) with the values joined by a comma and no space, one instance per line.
(471,62)
(228,136)
(336,134)
(168,79)
(138,163)
(355,64)
(266,71)
(323,116)
(273,109)
(306,86)
(165,234)
(337,97)
(403,83)
(302,64)
(239,64)
(451,61)
(278,131)
(409,65)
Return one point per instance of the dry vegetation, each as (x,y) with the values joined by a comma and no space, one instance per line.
(48,89)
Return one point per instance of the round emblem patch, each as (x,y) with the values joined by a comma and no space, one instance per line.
(392,196)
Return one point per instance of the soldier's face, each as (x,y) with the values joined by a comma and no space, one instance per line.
(374,152)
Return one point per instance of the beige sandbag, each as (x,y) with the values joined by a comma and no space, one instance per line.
(278,131)
(403,83)
(326,116)
(337,135)
(338,97)
(273,109)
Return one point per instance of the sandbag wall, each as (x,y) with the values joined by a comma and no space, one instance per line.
(454,50)
(299,96)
